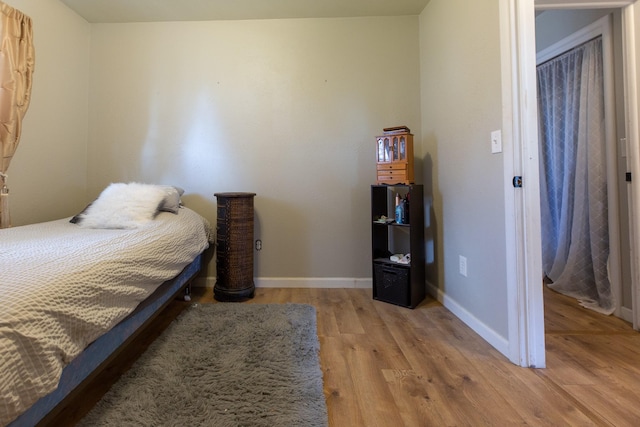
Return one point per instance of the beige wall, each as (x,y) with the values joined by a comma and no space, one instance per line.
(461,105)
(287,109)
(284,108)
(47,177)
(554,25)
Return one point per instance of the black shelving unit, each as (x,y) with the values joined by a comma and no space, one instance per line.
(395,283)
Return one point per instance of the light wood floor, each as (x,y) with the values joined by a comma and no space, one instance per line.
(391,366)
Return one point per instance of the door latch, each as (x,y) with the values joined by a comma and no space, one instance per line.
(517,182)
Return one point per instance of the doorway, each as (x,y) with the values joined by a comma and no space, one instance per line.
(558,32)
(526,314)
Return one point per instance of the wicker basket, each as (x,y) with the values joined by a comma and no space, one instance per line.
(234,247)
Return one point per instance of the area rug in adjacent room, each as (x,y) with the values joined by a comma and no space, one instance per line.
(225,364)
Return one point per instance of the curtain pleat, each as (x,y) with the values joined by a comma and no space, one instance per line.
(17,58)
(574,205)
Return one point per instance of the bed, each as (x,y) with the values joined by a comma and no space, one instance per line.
(74,290)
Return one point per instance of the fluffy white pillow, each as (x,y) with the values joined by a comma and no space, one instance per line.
(123,205)
(171,202)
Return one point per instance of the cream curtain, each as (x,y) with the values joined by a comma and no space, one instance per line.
(16,69)
(573,178)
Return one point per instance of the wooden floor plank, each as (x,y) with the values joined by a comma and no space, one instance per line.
(374,396)
(345,312)
(622,412)
(339,390)
(431,395)
(327,323)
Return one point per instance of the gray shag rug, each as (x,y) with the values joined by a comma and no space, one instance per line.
(225,364)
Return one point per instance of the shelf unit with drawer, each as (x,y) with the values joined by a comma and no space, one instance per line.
(395,283)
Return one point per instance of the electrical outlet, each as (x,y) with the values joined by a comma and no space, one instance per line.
(463,266)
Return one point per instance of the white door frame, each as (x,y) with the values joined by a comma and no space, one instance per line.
(520,125)
(522,206)
(633,147)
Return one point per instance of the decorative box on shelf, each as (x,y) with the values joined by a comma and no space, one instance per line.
(394,156)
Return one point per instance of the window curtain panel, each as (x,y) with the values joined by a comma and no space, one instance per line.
(574,209)
(17,58)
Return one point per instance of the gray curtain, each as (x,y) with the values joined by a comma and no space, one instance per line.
(575,234)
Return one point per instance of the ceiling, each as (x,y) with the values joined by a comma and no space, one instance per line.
(103,11)
(96,11)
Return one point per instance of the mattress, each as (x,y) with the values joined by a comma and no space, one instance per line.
(62,286)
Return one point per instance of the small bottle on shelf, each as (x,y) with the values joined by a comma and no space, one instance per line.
(399,210)
(405,209)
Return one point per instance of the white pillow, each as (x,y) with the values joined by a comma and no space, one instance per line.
(171,202)
(123,205)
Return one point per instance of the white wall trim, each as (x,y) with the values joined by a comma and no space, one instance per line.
(583,4)
(524,291)
(496,340)
(510,227)
(633,149)
(299,282)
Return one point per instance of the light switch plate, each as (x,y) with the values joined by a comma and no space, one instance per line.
(496,141)
(622,146)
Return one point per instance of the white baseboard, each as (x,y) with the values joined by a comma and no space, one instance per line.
(297,282)
(626,314)
(497,341)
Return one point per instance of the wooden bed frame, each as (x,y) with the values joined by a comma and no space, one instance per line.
(88,363)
